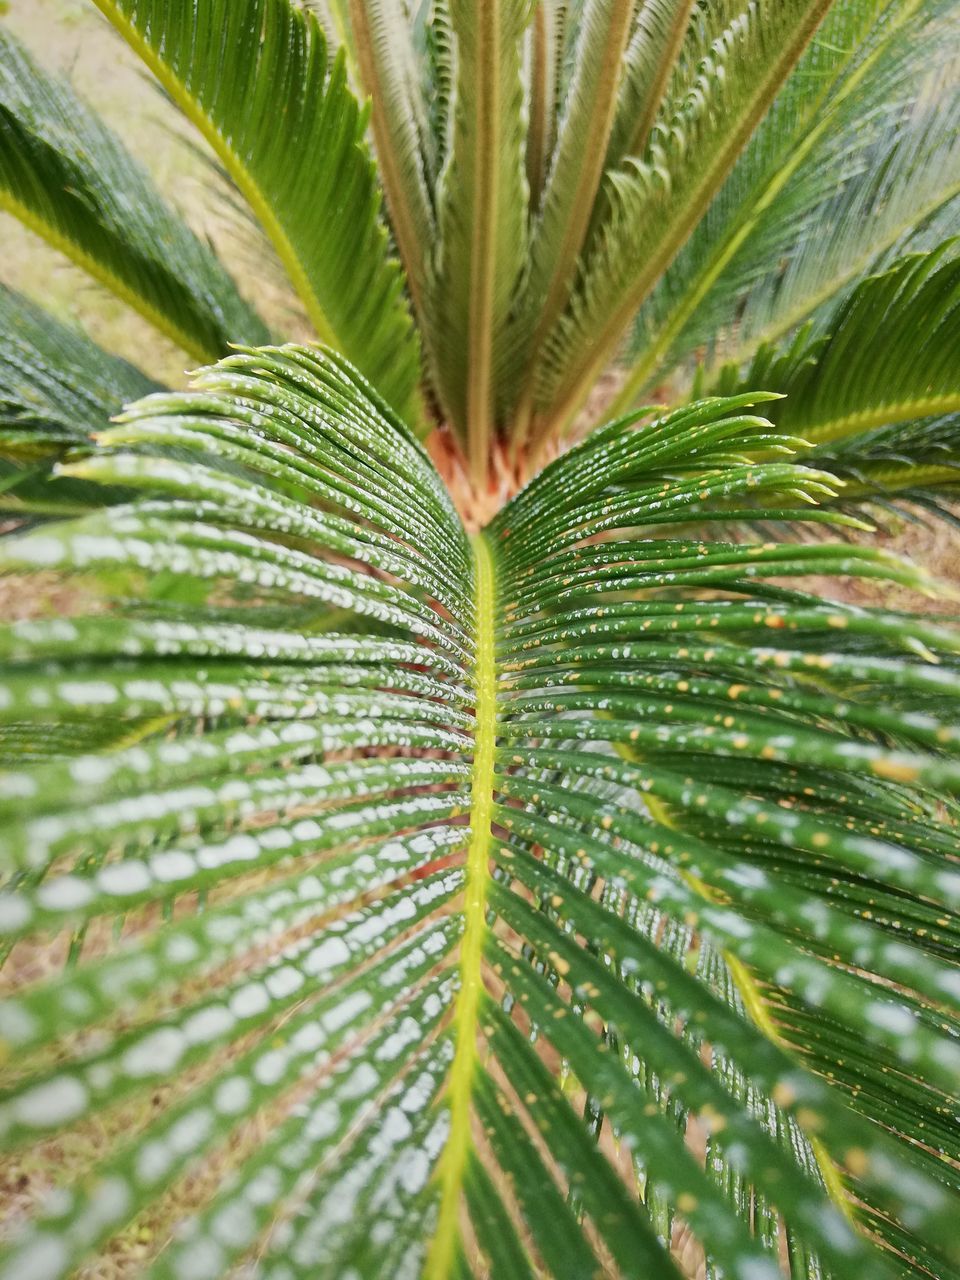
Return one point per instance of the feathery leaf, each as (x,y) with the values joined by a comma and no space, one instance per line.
(655,203)
(576,166)
(527,852)
(482,202)
(67,177)
(56,388)
(254,80)
(890,424)
(857,150)
(398,114)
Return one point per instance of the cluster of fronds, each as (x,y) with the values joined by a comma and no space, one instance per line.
(575,897)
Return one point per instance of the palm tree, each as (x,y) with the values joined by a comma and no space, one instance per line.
(509,870)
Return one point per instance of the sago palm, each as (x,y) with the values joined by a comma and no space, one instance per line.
(493,856)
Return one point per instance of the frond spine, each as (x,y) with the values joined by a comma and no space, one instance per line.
(453,1164)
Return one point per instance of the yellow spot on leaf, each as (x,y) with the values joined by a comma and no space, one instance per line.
(784,1095)
(897,770)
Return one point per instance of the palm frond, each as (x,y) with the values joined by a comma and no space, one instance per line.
(857,153)
(544,62)
(525,852)
(841,397)
(575,169)
(438,76)
(56,385)
(68,178)
(656,202)
(254,80)
(658,32)
(909,462)
(334,17)
(56,388)
(482,203)
(391,78)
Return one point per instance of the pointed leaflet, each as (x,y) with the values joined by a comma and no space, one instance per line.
(357,715)
(65,175)
(254,80)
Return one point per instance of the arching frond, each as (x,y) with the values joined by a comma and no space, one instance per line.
(910,462)
(391,78)
(502,844)
(438,80)
(56,388)
(890,424)
(482,217)
(56,385)
(888,428)
(575,169)
(858,152)
(68,178)
(658,32)
(254,80)
(334,16)
(655,203)
(915,306)
(544,63)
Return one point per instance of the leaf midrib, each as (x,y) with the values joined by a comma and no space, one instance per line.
(485,183)
(452,1169)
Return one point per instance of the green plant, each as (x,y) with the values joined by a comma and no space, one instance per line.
(573,896)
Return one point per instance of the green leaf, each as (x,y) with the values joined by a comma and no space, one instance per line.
(56,385)
(576,168)
(656,202)
(842,391)
(857,152)
(465,889)
(254,80)
(544,73)
(398,116)
(67,177)
(481,198)
(888,428)
(659,29)
(56,388)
